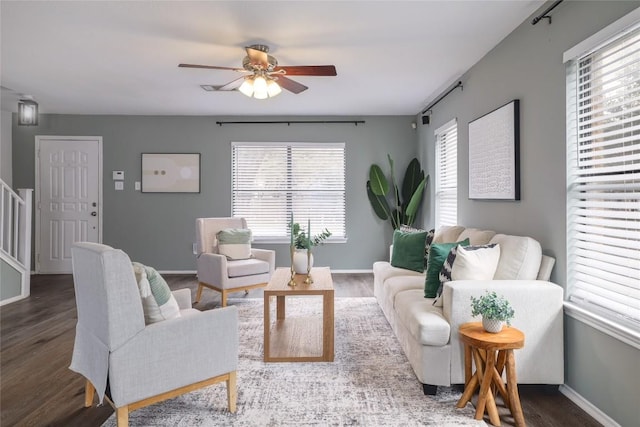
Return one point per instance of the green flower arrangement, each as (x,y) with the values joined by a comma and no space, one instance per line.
(492,306)
(301,241)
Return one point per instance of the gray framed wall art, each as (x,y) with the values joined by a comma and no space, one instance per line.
(494,154)
(170,172)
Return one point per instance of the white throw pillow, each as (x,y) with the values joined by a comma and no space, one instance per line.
(475,263)
(158,303)
(468,263)
(234,243)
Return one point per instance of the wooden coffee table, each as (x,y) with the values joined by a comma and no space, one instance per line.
(305,338)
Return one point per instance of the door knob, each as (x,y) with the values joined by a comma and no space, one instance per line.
(94,213)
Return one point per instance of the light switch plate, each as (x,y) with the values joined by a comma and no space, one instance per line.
(137,185)
(118,175)
(119,185)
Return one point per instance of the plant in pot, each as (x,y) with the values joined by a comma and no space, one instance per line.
(403,206)
(302,244)
(495,311)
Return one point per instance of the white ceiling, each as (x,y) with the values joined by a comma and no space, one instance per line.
(99,57)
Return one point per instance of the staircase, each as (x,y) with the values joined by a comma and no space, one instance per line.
(15,243)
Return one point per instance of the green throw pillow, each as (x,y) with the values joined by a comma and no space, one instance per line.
(408,250)
(438,253)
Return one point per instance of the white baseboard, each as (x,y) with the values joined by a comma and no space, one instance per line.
(587,406)
(177,272)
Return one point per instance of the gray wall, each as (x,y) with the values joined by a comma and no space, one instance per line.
(527,65)
(10,280)
(5,147)
(158,229)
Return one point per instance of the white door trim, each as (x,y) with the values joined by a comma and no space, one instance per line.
(39,139)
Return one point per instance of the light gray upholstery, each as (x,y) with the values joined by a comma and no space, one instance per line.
(428,334)
(217,272)
(140,362)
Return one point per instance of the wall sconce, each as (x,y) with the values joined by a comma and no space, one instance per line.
(27,112)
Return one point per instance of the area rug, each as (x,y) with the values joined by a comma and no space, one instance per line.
(370,383)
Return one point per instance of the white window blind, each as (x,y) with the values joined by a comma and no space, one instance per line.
(272,180)
(446,197)
(603,179)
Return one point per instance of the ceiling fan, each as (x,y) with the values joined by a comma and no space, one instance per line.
(265,77)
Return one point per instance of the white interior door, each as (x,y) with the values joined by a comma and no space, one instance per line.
(68,198)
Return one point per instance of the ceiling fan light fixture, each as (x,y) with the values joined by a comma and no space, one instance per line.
(246,88)
(260,88)
(273,88)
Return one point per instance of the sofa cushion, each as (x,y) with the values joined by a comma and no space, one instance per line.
(520,257)
(437,256)
(448,234)
(476,237)
(246,267)
(408,250)
(394,285)
(424,322)
(383,270)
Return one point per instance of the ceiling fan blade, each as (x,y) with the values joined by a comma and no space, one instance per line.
(211,67)
(291,85)
(257,57)
(308,70)
(232,85)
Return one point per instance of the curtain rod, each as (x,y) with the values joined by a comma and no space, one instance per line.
(459,84)
(544,15)
(288,122)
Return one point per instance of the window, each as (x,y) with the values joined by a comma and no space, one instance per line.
(447,174)
(603,182)
(272,180)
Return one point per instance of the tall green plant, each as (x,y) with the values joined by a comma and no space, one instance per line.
(403,206)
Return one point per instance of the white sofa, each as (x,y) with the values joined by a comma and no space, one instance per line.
(428,334)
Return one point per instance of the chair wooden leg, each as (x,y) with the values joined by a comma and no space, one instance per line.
(232,395)
(122,416)
(224,298)
(199,293)
(89,391)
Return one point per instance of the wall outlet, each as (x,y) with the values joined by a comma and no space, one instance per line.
(119,185)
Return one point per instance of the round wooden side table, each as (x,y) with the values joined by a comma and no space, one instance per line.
(491,354)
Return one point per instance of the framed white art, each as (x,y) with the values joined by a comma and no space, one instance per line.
(494,154)
(170,172)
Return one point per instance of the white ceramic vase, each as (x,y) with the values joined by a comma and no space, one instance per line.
(300,261)
(492,325)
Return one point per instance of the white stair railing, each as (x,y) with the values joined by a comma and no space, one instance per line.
(15,237)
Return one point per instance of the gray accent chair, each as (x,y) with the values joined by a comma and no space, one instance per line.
(134,365)
(216,272)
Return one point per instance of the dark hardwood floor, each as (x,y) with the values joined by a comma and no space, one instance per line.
(36,341)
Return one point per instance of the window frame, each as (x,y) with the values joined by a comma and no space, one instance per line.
(283,235)
(443,130)
(606,322)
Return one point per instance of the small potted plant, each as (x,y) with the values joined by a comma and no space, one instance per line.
(302,244)
(495,311)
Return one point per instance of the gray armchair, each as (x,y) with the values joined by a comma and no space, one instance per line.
(134,365)
(226,276)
